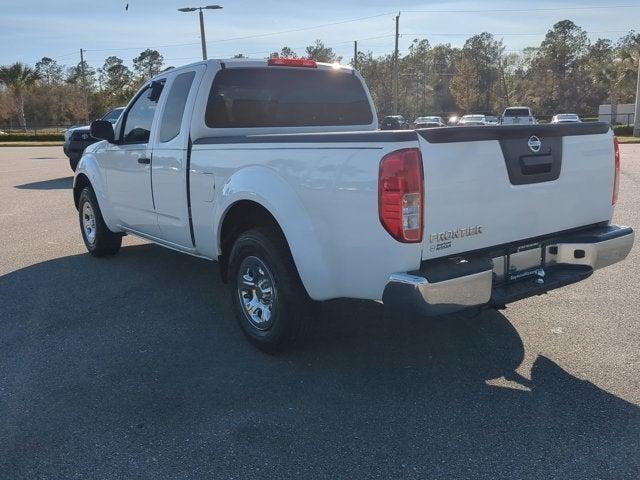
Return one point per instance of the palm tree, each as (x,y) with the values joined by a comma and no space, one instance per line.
(18,78)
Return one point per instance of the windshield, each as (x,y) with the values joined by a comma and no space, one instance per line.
(113,115)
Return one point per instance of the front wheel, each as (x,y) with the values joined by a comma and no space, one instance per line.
(270,302)
(99,240)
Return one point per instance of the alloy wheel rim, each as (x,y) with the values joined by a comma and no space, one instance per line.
(89,222)
(257,293)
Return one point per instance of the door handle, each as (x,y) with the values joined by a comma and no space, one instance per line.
(144,161)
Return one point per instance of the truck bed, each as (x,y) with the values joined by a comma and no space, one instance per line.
(328,186)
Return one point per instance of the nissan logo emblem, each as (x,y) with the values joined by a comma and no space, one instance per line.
(535,144)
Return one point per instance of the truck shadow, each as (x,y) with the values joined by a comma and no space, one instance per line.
(53,184)
(138,356)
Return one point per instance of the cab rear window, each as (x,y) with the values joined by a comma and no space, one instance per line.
(516,112)
(286,97)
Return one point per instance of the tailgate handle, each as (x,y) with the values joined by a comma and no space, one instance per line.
(536,164)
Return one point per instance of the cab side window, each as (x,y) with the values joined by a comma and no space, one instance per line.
(137,125)
(174,108)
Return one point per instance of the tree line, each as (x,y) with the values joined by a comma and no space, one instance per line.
(52,94)
(566,72)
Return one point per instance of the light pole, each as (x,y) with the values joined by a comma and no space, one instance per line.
(202,37)
(636,112)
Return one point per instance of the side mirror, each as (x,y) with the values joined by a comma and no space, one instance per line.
(103,130)
(155,90)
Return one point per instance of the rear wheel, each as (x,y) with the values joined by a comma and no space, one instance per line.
(270,302)
(99,240)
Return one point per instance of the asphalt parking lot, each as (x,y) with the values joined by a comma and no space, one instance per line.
(133,367)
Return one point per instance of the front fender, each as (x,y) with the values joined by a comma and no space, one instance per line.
(267,188)
(89,167)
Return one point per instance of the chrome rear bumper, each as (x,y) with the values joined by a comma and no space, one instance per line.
(593,254)
(448,285)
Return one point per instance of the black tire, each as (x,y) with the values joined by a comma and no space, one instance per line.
(288,303)
(99,240)
(73,162)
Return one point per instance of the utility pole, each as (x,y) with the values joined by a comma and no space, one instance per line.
(426,86)
(204,41)
(83,74)
(355,54)
(396,78)
(636,115)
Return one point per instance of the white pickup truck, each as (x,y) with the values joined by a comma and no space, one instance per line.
(276,170)
(518,116)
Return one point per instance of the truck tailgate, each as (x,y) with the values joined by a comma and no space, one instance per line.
(488,186)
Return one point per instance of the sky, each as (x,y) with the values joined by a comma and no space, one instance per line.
(32,29)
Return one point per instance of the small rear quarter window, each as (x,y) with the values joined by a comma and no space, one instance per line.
(174,108)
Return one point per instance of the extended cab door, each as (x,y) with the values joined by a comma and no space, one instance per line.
(127,164)
(170,167)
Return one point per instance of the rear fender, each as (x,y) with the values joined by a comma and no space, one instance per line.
(265,187)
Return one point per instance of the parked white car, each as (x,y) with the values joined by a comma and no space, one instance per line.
(276,169)
(518,116)
(472,120)
(431,121)
(566,118)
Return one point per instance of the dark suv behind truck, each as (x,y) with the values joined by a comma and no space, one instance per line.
(394,122)
(76,139)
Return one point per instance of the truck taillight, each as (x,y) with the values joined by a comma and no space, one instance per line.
(292,62)
(401,195)
(616,174)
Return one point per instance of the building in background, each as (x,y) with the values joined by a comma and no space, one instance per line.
(623,117)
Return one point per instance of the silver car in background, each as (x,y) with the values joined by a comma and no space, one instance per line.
(472,121)
(566,118)
(429,120)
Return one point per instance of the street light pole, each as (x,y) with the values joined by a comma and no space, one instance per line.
(202,35)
